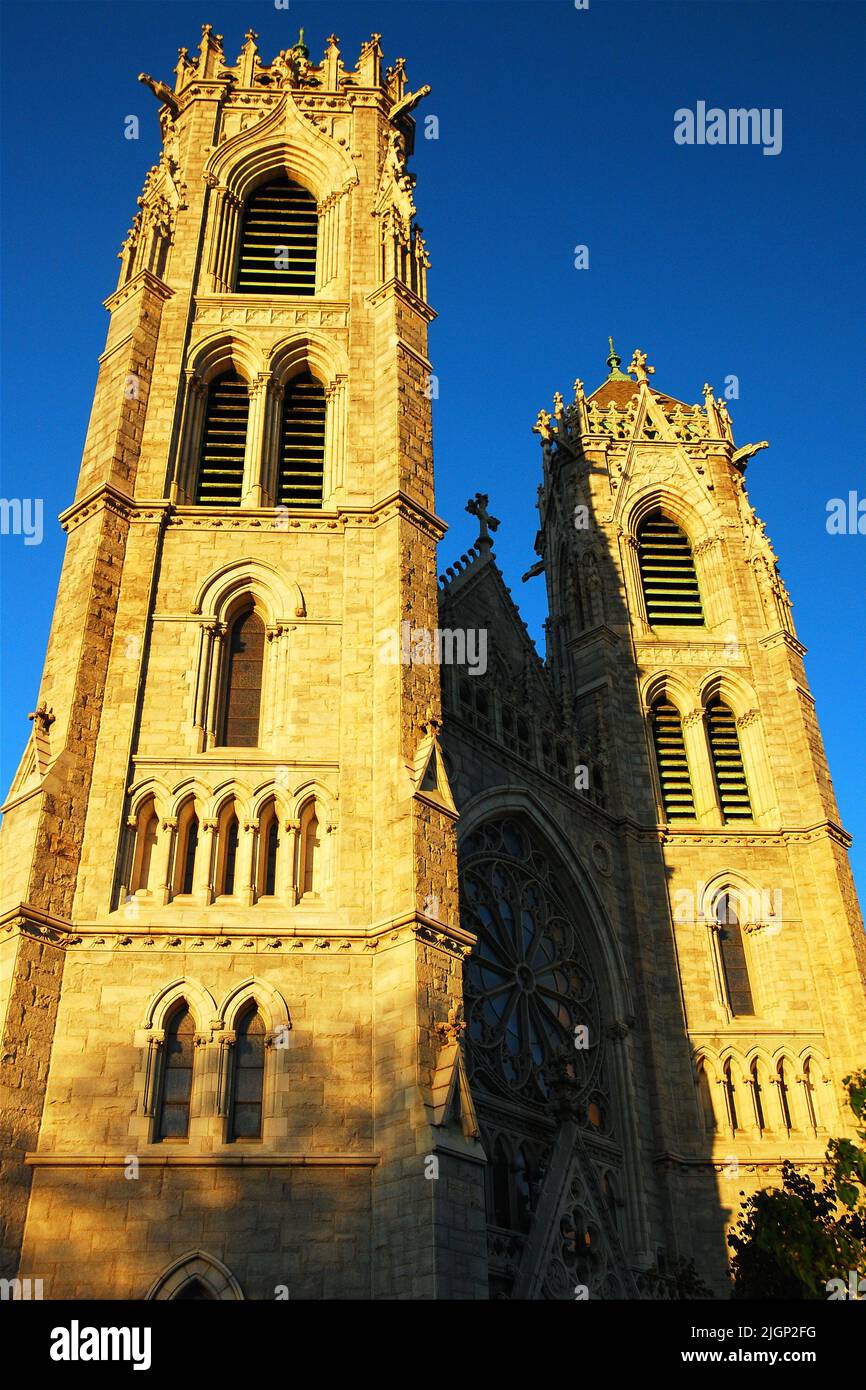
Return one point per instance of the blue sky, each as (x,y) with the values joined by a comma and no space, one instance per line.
(555,130)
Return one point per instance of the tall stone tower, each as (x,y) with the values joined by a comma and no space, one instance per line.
(231,956)
(673,650)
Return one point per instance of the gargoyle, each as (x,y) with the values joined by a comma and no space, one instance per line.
(160,91)
(742,456)
(408,103)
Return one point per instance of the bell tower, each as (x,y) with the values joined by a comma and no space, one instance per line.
(233,954)
(672,643)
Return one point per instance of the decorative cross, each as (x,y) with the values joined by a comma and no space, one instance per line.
(477,506)
(638,367)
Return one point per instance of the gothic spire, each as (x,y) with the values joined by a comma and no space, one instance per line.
(613,362)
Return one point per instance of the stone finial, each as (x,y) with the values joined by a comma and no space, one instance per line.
(542,425)
(613,362)
(638,366)
(453,1030)
(477,506)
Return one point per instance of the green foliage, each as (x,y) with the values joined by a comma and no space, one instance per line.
(686,1281)
(790,1241)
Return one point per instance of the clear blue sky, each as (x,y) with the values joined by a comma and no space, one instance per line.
(556,129)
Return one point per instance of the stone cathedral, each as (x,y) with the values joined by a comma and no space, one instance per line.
(349,949)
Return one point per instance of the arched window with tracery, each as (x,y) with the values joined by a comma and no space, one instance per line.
(248,1075)
(302,444)
(530,981)
(534,1014)
(278,240)
(678,801)
(175,1090)
(476,706)
(223,442)
(668,575)
(727,758)
(242,699)
(735,968)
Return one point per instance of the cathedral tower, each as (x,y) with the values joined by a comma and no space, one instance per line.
(232,956)
(673,650)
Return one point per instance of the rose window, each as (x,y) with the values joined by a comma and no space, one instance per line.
(530,993)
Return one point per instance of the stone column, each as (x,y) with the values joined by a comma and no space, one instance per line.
(202,886)
(252,490)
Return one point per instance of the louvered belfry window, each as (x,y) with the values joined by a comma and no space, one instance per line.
(224,438)
(727,759)
(667,571)
(302,443)
(667,726)
(278,240)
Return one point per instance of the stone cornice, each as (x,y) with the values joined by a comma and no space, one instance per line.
(144,280)
(32,921)
(723,834)
(781,638)
(203,1160)
(397,289)
(104,497)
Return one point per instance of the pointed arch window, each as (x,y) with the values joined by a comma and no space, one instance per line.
(499,1186)
(782,1081)
(727,759)
(705,1100)
(243,690)
(309,874)
(733,953)
(809,1094)
(228,832)
(223,442)
(731,1095)
(186,849)
(475,703)
(302,443)
(279,234)
(177,1070)
(758,1096)
(670,749)
(668,576)
(146,838)
(269,851)
(248,1077)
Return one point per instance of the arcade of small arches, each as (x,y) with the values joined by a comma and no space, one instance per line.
(764,1095)
(229,847)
